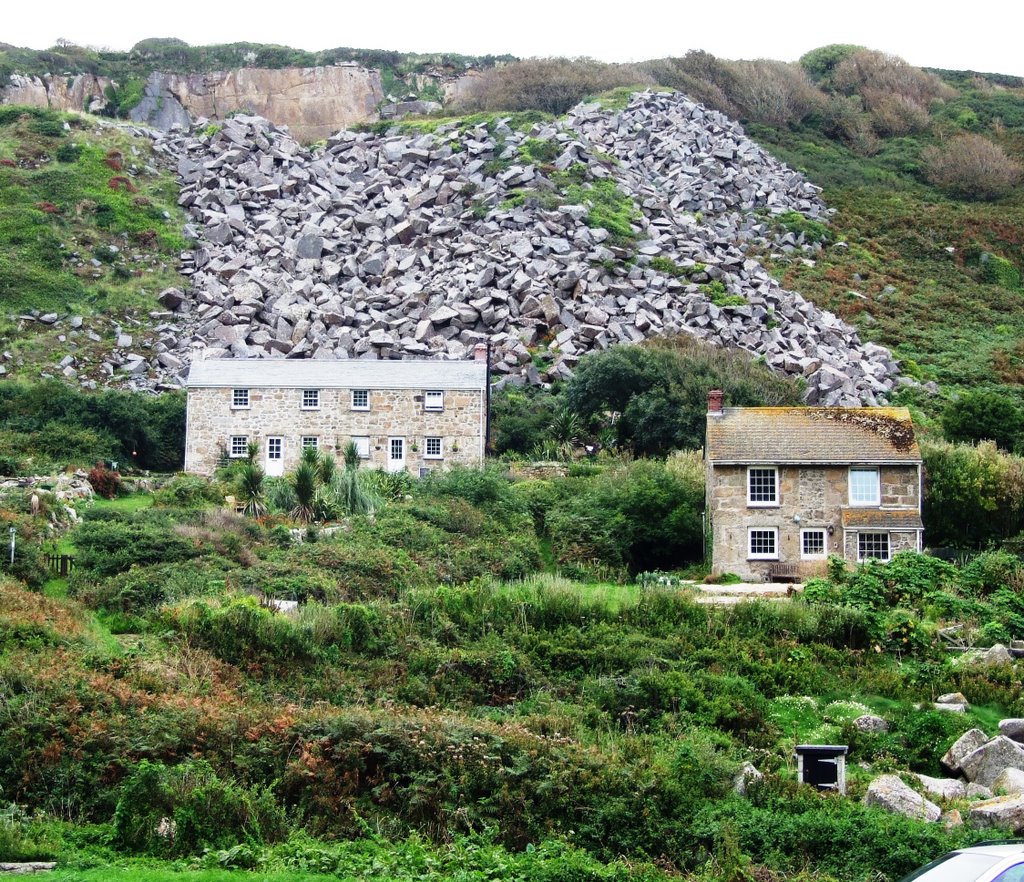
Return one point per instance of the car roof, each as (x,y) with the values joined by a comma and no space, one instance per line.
(997,849)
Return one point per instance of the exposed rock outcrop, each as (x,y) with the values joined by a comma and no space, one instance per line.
(80,92)
(965,745)
(314,102)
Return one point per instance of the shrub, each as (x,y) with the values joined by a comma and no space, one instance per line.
(185,809)
(983,416)
(972,167)
(773,92)
(104,482)
(114,546)
(188,491)
(551,85)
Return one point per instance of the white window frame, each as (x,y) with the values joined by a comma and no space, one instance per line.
(762,555)
(362,393)
(888,546)
(240,399)
(439,454)
(752,503)
(240,449)
(362,443)
(310,441)
(310,399)
(824,544)
(876,500)
(433,400)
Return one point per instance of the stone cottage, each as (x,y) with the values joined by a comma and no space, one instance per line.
(409,415)
(788,486)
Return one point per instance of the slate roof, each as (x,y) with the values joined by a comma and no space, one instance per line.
(882,519)
(818,435)
(358,373)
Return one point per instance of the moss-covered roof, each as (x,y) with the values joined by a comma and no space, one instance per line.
(820,435)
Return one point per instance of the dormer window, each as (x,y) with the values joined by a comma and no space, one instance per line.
(239,398)
(360,399)
(310,399)
(433,399)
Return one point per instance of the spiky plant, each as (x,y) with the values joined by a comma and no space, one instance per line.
(351,455)
(328,467)
(352,493)
(304,483)
(311,455)
(252,451)
(251,490)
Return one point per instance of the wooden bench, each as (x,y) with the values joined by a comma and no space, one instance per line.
(783,572)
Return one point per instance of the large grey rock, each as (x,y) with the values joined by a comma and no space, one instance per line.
(747,775)
(890,793)
(986,764)
(1004,812)
(1010,781)
(966,744)
(979,791)
(1012,728)
(994,656)
(871,723)
(943,788)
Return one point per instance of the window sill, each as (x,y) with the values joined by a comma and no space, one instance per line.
(762,557)
(763,504)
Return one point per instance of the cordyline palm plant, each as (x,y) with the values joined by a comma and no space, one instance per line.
(251,490)
(304,483)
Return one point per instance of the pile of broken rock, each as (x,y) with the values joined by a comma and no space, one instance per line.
(983,767)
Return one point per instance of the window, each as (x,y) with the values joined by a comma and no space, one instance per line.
(812,544)
(432,448)
(762,486)
(239,446)
(872,546)
(433,400)
(362,444)
(763,543)
(275,448)
(360,399)
(864,489)
(239,397)
(311,441)
(310,399)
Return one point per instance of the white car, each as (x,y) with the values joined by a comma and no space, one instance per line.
(1001,861)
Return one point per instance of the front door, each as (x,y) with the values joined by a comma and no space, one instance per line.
(275,457)
(396,454)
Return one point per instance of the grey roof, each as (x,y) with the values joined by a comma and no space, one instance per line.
(823,435)
(355,373)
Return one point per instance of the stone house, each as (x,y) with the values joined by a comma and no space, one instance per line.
(789,486)
(409,415)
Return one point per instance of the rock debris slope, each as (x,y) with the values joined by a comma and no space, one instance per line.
(424,245)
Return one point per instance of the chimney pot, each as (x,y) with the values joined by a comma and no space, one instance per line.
(715,402)
(480,352)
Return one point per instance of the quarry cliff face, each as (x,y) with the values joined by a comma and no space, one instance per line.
(82,92)
(314,102)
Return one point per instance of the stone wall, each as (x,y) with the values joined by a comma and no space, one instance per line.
(816,495)
(392,414)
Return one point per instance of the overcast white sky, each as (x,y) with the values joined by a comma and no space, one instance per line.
(936,34)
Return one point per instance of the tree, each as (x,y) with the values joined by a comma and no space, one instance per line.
(654,396)
(984,416)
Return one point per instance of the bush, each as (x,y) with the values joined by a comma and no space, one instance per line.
(114,546)
(188,491)
(104,482)
(185,809)
(971,167)
(984,416)
(551,85)
(773,92)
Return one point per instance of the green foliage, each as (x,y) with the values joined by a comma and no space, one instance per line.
(185,809)
(521,418)
(640,515)
(252,490)
(658,392)
(972,494)
(188,491)
(107,547)
(984,416)
(997,270)
(607,207)
(811,230)
(71,427)
(821,62)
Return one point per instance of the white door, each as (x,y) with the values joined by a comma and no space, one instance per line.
(396,454)
(275,457)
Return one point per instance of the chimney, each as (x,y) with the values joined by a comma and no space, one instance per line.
(715,402)
(480,352)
